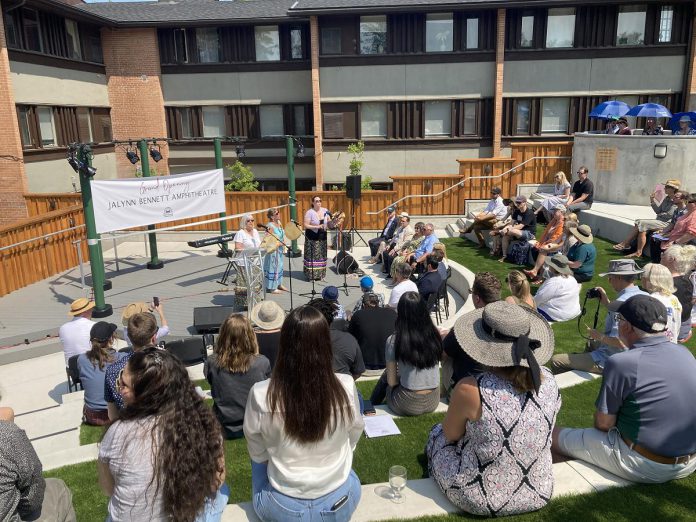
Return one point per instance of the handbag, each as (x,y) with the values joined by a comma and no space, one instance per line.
(518,252)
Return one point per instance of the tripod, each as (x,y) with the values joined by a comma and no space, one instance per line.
(352,230)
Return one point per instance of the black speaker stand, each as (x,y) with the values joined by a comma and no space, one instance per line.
(352,229)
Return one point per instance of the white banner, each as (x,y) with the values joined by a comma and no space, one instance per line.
(134,202)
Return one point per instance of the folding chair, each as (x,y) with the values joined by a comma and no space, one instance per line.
(73,374)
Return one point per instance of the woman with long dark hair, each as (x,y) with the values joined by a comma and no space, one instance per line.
(164,458)
(316,220)
(302,426)
(411,381)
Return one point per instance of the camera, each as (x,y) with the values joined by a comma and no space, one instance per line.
(593,293)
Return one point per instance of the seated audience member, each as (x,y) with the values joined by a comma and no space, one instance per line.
(685,127)
(558,298)
(521,228)
(571,221)
(652,128)
(520,291)
(347,357)
(330,293)
(549,242)
(679,260)
(621,276)
(582,193)
(582,254)
(429,282)
(233,368)
(680,199)
(496,239)
(657,281)
(92,366)
(495,211)
(141,308)
(567,241)
(561,193)
(142,330)
(514,399)
(440,253)
(612,125)
(417,259)
(301,432)
(385,235)
(684,230)
(371,326)
(645,420)
(664,211)
(164,458)
(400,256)
(402,284)
(268,317)
(624,129)
(411,382)
(366,286)
(74,335)
(402,235)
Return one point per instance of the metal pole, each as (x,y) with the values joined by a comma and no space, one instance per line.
(154,263)
(217,144)
(96,261)
(116,254)
(290,154)
(78,245)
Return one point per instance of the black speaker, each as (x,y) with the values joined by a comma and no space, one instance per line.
(207,319)
(345,264)
(353,184)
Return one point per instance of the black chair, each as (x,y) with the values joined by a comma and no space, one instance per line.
(190,351)
(443,297)
(432,305)
(73,374)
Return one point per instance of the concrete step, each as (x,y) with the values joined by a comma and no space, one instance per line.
(613,221)
(52,420)
(67,457)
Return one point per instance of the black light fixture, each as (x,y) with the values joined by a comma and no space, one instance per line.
(239,150)
(73,162)
(300,149)
(132,155)
(86,170)
(155,153)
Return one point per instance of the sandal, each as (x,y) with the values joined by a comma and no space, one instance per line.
(619,246)
(536,282)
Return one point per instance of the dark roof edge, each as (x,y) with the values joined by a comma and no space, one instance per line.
(81,15)
(208,23)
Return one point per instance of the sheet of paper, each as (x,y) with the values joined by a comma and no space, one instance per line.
(380,426)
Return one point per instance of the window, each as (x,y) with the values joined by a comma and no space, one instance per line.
(271,120)
(331,40)
(32,31)
(101,125)
(46,126)
(666,16)
(296,44)
(439,29)
(84,125)
(267,43)
(24,116)
(207,42)
(91,43)
(470,118)
(560,28)
(299,122)
(186,123)
(180,46)
(630,29)
(554,115)
(373,34)
(213,122)
(373,120)
(73,36)
(522,119)
(12,31)
(438,118)
(333,125)
(527,32)
(472,30)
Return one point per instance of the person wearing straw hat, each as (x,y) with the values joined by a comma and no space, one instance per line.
(645,420)
(582,255)
(514,399)
(558,299)
(602,345)
(74,335)
(139,308)
(664,210)
(268,317)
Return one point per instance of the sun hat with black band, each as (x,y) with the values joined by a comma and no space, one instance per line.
(102,331)
(643,312)
(583,233)
(503,335)
(268,315)
(559,263)
(673,183)
(80,306)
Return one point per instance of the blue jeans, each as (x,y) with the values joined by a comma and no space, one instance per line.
(214,508)
(272,506)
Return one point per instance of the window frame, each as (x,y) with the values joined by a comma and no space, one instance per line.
(383,118)
(515,122)
(466,33)
(264,109)
(549,16)
(544,101)
(221,113)
(385,49)
(430,103)
(521,44)
(201,35)
(638,8)
(261,28)
(339,32)
(450,16)
(658,23)
(40,140)
(38,29)
(77,45)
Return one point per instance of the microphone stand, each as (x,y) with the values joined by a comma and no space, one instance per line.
(268,231)
(313,292)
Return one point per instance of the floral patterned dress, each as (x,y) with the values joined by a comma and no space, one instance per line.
(502,465)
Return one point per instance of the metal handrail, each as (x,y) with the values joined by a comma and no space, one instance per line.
(512,169)
(44,237)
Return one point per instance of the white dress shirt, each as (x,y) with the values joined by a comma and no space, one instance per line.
(496,207)
(399,290)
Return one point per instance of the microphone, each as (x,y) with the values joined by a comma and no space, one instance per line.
(262,226)
(295,222)
(327,213)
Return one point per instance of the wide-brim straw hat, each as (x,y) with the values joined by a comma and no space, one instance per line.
(132,309)
(80,305)
(673,183)
(583,233)
(268,315)
(488,335)
(559,263)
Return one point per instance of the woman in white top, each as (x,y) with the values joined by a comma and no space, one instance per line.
(248,236)
(657,280)
(558,299)
(561,193)
(301,427)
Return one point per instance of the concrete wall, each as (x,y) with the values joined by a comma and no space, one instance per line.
(273,171)
(637,170)
(57,175)
(40,84)
(231,88)
(658,74)
(405,82)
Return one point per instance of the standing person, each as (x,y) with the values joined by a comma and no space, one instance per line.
(268,317)
(496,435)
(315,251)
(657,281)
(522,227)
(561,193)
(495,211)
(558,299)
(582,254)
(582,193)
(273,262)
(403,284)
(74,335)
(371,326)
(411,381)
(92,366)
(247,236)
(232,370)
(301,432)
(164,458)
(385,235)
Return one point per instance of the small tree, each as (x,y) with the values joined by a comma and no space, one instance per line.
(366,183)
(241,178)
(139,172)
(357,150)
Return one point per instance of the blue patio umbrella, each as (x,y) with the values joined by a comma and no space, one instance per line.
(650,110)
(608,109)
(674,122)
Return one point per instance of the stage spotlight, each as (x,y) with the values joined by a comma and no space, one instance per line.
(132,156)
(155,153)
(300,149)
(239,150)
(87,170)
(73,162)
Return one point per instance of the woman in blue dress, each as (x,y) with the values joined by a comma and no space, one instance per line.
(273,262)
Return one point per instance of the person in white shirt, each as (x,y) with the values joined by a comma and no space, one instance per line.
(402,274)
(494,211)
(558,299)
(657,281)
(74,335)
(301,436)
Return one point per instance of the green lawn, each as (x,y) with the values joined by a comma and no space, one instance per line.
(675,501)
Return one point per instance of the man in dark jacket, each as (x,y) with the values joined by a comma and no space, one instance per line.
(371,326)
(429,283)
(386,234)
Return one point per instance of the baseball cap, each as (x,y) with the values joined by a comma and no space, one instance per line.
(102,331)
(521,199)
(330,293)
(642,311)
(366,283)
(391,208)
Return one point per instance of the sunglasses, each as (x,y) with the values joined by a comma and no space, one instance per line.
(250,220)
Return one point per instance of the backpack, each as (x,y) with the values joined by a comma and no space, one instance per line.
(518,252)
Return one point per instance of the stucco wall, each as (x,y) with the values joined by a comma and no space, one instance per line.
(637,170)
(274,171)
(40,84)
(230,88)
(57,175)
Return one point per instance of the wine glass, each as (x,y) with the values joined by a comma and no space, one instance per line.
(397,481)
